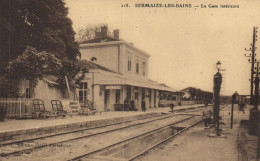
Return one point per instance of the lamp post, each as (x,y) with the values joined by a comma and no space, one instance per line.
(216,89)
(218,65)
(234,100)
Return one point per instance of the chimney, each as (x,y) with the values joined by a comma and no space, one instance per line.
(104,32)
(116,33)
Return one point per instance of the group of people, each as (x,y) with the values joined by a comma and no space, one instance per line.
(134,104)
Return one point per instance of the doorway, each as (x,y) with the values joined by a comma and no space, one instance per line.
(143,94)
(155,105)
(106,99)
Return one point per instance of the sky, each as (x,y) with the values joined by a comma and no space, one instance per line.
(184,43)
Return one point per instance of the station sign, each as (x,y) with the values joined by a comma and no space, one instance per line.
(113,87)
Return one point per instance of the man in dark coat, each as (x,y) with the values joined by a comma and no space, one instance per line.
(171,106)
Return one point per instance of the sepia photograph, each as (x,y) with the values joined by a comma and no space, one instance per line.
(129,80)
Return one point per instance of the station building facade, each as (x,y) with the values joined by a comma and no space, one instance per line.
(118,73)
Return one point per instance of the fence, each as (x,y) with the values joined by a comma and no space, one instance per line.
(17,107)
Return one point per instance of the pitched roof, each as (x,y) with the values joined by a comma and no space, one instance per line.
(164,85)
(50,79)
(91,65)
(152,81)
(100,39)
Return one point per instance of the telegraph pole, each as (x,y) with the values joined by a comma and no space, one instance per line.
(256,108)
(253,118)
(256,86)
(253,48)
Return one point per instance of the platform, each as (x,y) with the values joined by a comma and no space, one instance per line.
(17,129)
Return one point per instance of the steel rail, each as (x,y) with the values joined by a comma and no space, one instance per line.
(126,140)
(74,131)
(78,138)
(84,129)
(169,138)
(165,140)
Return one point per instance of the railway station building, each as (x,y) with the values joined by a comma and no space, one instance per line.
(118,73)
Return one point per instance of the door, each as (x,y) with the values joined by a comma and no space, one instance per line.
(106,99)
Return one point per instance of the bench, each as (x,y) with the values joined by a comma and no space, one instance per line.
(58,108)
(40,110)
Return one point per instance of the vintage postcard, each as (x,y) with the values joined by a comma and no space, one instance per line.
(101,80)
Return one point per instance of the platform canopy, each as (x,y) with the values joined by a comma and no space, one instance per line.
(138,83)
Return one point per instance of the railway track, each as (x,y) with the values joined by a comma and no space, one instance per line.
(115,151)
(120,151)
(72,131)
(8,142)
(164,141)
(29,145)
(3,143)
(44,141)
(170,137)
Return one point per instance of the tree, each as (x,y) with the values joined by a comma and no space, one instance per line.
(192,92)
(199,95)
(8,88)
(43,25)
(32,65)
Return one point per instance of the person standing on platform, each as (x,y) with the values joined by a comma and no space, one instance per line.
(172,106)
(207,116)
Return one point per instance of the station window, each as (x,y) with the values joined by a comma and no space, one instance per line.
(143,68)
(129,63)
(83,92)
(137,67)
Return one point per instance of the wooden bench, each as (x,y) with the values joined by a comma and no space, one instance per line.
(88,109)
(58,108)
(40,110)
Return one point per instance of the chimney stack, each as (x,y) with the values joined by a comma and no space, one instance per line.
(104,32)
(116,33)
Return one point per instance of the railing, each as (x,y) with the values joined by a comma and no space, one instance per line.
(17,107)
